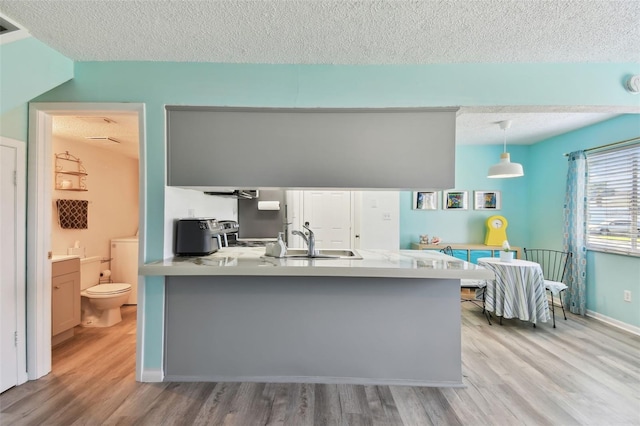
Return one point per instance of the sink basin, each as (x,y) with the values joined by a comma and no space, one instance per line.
(302,253)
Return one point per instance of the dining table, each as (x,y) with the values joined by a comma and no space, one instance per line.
(518,290)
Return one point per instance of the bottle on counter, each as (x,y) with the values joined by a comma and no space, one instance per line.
(277,249)
(281,244)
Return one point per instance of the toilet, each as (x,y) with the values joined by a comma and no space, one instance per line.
(100,303)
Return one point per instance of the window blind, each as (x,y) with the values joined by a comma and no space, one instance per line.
(613,200)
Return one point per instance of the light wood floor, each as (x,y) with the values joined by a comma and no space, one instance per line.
(583,372)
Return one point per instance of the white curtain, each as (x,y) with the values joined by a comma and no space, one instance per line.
(575,231)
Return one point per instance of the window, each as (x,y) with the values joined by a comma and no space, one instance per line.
(613,200)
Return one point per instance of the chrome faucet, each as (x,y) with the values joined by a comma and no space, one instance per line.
(310,240)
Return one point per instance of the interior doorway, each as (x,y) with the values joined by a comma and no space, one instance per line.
(329,213)
(39,224)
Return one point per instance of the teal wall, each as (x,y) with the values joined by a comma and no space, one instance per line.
(14,123)
(468,226)
(28,68)
(608,275)
(158,84)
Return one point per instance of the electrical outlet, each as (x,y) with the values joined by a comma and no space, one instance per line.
(627,296)
(386,216)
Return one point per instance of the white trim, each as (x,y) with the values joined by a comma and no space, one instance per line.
(154,375)
(21,238)
(39,200)
(140,324)
(38,245)
(614,322)
(12,36)
(142,211)
(356,219)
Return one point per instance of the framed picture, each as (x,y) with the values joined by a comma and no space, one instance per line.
(425,200)
(487,200)
(455,200)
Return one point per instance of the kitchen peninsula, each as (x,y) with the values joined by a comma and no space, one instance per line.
(392,317)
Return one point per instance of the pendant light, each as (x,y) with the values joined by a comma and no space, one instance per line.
(505,168)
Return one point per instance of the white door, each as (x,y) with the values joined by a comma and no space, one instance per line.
(12,226)
(329,215)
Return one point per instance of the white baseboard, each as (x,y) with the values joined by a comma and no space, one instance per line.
(152,376)
(614,322)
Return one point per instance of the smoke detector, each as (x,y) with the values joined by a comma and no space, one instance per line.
(633,84)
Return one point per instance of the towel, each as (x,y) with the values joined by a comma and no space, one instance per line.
(73,214)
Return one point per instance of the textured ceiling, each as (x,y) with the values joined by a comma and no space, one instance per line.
(122,126)
(351,32)
(480,126)
(335,32)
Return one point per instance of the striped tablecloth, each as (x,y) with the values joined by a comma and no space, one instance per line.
(518,290)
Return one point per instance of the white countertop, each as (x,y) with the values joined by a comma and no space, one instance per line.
(62,257)
(244,261)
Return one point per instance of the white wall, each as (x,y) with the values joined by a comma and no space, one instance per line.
(112,183)
(181,203)
(379,219)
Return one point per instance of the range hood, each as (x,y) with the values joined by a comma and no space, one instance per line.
(245,194)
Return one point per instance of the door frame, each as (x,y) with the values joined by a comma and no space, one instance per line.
(39,210)
(20,248)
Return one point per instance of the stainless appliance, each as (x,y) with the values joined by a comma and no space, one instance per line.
(230,230)
(197,236)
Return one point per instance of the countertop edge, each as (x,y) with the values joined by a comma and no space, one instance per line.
(62,257)
(297,271)
(372,264)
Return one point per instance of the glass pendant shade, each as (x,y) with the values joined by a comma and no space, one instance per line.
(505,168)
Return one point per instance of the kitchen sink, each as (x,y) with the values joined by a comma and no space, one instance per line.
(302,253)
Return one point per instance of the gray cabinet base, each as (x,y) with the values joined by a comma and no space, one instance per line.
(313,329)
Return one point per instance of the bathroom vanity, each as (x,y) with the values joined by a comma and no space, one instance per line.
(391,317)
(65,297)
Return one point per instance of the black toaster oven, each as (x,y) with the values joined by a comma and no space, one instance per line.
(197,236)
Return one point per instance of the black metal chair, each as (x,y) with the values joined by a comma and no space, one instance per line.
(479,286)
(554,266)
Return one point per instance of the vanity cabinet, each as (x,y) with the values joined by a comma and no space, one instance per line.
(65,297)
(467,252)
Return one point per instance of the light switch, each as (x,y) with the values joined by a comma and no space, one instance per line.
(374,203)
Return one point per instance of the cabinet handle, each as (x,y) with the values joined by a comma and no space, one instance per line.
(57,287)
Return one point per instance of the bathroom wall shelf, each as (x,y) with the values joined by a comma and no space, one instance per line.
(70,174)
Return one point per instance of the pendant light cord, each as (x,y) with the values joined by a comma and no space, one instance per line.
(504,133)
(504,125)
